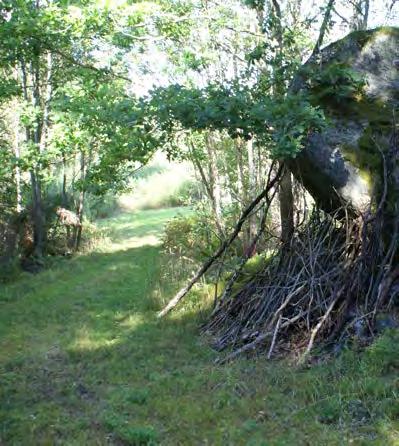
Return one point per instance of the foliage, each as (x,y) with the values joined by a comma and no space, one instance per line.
(280,125)
(335,83)
(190,237)
(71,111)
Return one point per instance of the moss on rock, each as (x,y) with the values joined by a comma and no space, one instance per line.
(356,83)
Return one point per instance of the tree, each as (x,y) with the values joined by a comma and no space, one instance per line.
(49,61)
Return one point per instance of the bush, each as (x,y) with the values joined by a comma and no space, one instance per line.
(190,237)
(101,207)
(9,269)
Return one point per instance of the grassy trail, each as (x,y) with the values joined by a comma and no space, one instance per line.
(83,361)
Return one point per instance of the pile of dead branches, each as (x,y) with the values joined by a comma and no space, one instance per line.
(335,276)
(304,291)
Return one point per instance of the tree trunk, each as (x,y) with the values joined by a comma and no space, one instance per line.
(214,180)
(17,170)
(286,199)
(64,197)
(242,192)
(33,136)
(360,16)
(252,230)
(38,136)
(80,206)
(39,219)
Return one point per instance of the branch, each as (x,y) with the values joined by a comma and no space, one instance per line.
(78,63)
(226,244)
(103,71)
(323,28)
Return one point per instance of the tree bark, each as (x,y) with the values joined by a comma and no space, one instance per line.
(323,28)
(360,16)
(242,191)
(33,136)
(252,191)
(286,199)
(17,170)
(80,206)
(214,180)
(38,136)
(64,197)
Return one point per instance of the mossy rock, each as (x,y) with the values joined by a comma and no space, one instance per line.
(356,82)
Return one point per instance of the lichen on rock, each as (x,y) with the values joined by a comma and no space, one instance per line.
(356,82)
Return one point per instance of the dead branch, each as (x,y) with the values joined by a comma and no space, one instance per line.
(329,284)
(224,246)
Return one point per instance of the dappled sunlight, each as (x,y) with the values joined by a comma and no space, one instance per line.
(389,433)
(138,229)
(107,330)
(134,242)
(86,340)
(130,321)
(163,187)
(170,174)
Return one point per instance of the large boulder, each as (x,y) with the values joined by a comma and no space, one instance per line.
(356,82)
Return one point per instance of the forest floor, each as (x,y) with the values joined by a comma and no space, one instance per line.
(84,361)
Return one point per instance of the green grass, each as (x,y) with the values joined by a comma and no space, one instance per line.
(84,361)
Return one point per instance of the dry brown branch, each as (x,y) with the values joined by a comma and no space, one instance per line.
(297,296)
(269,355)
(338,272)
(224,246)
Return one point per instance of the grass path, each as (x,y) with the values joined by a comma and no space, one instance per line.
(83,361)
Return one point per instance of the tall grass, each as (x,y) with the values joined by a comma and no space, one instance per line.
(160,184)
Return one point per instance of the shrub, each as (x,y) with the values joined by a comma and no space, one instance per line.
(190,237)
(101,207)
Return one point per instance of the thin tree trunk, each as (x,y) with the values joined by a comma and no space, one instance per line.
(242,192)
(286,196)
(64,197)
(323,28)
(214,180)
(33,136)
(286,199)
(80,206)
(40,139)
(46,110)
(17,170)
(252,230)
(366,14)
(209,191)
(360,15)
(224,246)
(39,219)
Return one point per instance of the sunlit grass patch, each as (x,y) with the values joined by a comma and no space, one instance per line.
(161,184)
